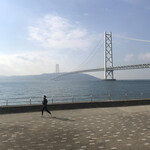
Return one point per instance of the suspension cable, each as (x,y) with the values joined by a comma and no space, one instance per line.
(91,54)
(133,39)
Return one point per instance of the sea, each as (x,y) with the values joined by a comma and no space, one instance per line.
(16,92)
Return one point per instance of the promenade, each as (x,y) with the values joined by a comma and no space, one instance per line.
(113,128)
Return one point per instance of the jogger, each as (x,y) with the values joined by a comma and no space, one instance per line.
(44,102)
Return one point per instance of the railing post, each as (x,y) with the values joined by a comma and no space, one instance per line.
(7,102)
(141,95)
(72,99)
(30,100)
(126,95)
(91,98)
(109,96)
(52,99)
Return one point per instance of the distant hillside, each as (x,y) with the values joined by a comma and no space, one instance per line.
(78,76)
(45,77)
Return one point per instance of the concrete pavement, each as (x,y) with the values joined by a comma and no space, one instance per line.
(115,128)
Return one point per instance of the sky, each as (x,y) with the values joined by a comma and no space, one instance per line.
(37,35)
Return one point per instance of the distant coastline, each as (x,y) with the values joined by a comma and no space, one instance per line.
(47,76)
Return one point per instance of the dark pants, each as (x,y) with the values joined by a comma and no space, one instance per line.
(45,108)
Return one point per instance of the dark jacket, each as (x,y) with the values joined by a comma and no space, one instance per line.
(45,102)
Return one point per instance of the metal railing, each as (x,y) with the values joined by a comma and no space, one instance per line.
(73,98)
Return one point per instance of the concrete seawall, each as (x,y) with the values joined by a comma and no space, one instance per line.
(76,105)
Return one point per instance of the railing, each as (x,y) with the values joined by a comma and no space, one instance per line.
(73,98)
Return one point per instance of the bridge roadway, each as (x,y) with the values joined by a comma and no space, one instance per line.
(128,67)
(115,128)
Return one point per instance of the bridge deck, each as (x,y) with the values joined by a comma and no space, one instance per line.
(128,67)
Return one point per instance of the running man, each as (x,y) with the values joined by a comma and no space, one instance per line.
(44,102)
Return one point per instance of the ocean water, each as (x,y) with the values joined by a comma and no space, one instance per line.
(16,92)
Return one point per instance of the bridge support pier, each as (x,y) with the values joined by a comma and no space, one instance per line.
(108,57)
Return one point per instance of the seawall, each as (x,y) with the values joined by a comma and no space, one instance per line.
(76,105)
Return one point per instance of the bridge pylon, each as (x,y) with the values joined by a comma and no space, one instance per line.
(108,57)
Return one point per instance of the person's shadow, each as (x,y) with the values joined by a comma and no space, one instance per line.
(62,119)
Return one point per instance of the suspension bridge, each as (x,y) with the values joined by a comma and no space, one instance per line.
(108,62)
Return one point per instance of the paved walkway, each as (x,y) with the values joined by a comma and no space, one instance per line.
(121,128)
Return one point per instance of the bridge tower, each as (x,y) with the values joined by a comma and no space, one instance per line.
(57,68)
(108,57)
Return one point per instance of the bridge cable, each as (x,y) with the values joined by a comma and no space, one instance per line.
(133,39)
(91,54)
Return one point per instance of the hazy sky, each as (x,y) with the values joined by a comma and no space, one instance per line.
(35,35)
